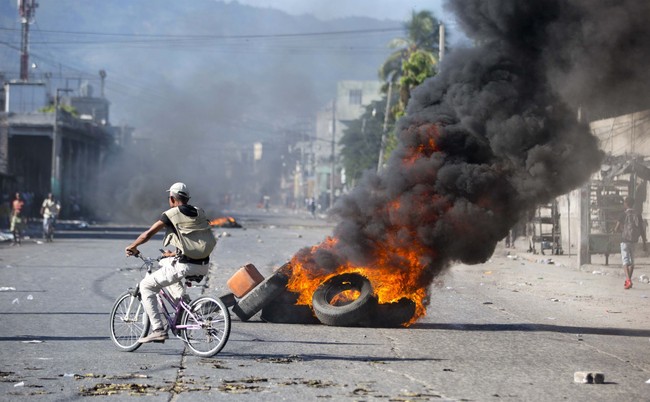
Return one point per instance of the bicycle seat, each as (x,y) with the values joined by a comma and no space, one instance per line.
(194,278)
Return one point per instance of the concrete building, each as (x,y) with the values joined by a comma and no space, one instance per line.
(46,148)
(582,221)
(352,97)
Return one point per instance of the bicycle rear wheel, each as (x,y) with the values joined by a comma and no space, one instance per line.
(206,326)
(128,322)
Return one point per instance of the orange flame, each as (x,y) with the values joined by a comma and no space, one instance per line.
(427,134)
(224,221)
(345,297)
(388,285)
(398,270)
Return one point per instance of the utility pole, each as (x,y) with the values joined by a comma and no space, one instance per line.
(26,9)
(441,46)
(333,156)
(55,176)
(382,143)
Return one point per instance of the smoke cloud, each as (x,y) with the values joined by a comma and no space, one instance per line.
(495,133)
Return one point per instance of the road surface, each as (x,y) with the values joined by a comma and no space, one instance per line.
(515,328)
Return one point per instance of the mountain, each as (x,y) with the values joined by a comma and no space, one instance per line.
(199,66)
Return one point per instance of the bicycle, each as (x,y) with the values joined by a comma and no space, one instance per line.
(203,324)
(48,228)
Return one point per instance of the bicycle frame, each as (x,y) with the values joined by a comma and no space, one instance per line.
(203,324)
(178,307)
(162,296)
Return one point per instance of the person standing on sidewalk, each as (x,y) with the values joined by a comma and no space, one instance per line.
(16,223)
(632,227)
(188,229)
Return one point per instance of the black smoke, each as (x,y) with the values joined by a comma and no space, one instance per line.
(496,132)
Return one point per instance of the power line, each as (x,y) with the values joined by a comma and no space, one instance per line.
(212,37)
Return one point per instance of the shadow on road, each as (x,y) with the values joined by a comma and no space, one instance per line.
(320,356)
(535,328)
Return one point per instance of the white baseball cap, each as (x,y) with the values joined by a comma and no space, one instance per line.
(179,189)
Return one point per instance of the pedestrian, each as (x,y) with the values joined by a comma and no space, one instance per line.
(16,222)
(311,204)
(49,211)
(632,227)
(188,230)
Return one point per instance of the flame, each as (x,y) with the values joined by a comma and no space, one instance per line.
(389,285)
(224,221)
(426,136)
(345,297)
(398,270)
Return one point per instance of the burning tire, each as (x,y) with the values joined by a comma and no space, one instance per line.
(392,315)
(261,295)
(283,310)
(344,300)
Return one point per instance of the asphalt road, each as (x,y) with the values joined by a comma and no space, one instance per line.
(509,329)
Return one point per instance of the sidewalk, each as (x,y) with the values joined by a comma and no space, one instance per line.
(552,288)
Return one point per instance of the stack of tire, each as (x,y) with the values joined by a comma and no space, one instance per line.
(252,294)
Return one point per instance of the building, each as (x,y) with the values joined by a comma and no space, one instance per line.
(352,97)
(582,221)
(52,142)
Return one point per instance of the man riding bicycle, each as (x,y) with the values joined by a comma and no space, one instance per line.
(49,210)
(188,229)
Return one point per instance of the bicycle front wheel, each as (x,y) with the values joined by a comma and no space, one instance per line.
(206,327)
(128,322)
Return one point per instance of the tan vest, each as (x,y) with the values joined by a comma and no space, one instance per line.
(193,234)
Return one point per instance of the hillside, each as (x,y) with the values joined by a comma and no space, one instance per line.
(228,65)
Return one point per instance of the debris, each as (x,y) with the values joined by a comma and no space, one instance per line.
(30,297)
(647,382)
(15,301)
(7,288)
(114,389)
(33,341)
(588,377)
(644,279)
(555,300)
(20,384)
(597,272)
(279,360)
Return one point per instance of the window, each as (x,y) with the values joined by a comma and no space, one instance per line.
(355,96)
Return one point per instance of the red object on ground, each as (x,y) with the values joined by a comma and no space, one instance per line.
(244,280)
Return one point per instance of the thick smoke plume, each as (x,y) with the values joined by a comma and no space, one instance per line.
(495,133)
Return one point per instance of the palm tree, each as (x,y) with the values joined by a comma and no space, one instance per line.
(422,35)
(408,66)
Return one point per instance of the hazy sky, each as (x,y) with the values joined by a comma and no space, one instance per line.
(327,9)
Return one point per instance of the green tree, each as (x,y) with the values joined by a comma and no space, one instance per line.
(422,34)
(65,108)
(418,67)
(414,60)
